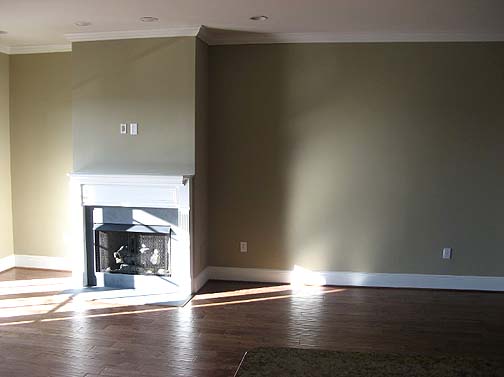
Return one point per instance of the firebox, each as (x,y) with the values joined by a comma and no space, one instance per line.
(133,249)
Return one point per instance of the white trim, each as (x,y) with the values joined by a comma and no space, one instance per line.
(189,31)
(356,279)
(153,191)
(35,49)
(361,279)
(6,263)
(127,179)
(205,35)
(212,37)
(37,261)
(39,49)
(199,281)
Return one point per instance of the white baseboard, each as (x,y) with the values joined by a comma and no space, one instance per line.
(36,261)
(200,280)
(356,279)
(359,279)
(6,263)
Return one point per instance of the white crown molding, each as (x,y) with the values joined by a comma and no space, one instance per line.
(205,35)
(40,49)
(213,37)
(360,279)
(190,31)
(35,49)
(219,37)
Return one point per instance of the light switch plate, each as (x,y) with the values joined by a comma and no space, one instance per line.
(133,129)
(123,128)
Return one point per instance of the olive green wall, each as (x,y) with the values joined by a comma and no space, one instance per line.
(6,241)
(343,157)
(358,157)
(41,152)
(160,83)
(149,81)
(200,194)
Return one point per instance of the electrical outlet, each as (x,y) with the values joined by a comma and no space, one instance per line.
(243,247)
(123,128)
(447,253)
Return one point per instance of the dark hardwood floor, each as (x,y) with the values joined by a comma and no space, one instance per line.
(45,331)
(30,273)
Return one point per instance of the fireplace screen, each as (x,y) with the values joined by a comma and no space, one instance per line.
(134,250)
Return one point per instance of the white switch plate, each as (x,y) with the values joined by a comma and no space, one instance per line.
(133,128)
(447,253)
(243,247)
(123,128)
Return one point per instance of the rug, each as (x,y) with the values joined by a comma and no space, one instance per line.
(292,362)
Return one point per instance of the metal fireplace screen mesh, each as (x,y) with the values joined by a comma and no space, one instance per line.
(132,253)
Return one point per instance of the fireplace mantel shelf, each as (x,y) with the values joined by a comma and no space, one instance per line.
(128,179)
(153,191)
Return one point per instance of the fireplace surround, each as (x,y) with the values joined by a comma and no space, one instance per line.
(132,231)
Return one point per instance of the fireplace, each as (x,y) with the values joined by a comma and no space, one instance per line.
(135,231)
(132,249)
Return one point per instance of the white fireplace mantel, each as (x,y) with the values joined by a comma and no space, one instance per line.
(118,179)
(153,191)
(133,191)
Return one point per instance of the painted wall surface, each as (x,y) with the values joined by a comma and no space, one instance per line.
(41,147)
(6,239)
(200,181)
(149,81)
(358,157)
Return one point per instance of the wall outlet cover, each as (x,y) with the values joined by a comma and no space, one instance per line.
(243,247)
(123,128)
(447,253)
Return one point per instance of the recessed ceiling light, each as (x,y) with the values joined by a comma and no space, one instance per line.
(82,23)
(259,18)
(149,19)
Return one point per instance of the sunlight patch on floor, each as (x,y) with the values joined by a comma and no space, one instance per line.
(55,299)
(62,298)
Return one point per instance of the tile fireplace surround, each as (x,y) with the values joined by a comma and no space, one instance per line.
(93,194)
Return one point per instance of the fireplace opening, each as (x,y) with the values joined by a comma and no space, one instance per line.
(133,249)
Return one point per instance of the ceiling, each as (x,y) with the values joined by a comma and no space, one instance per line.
(46,22)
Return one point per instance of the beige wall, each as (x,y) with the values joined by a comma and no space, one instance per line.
(41,145)
(149,81)
(6,241)
(358,157)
